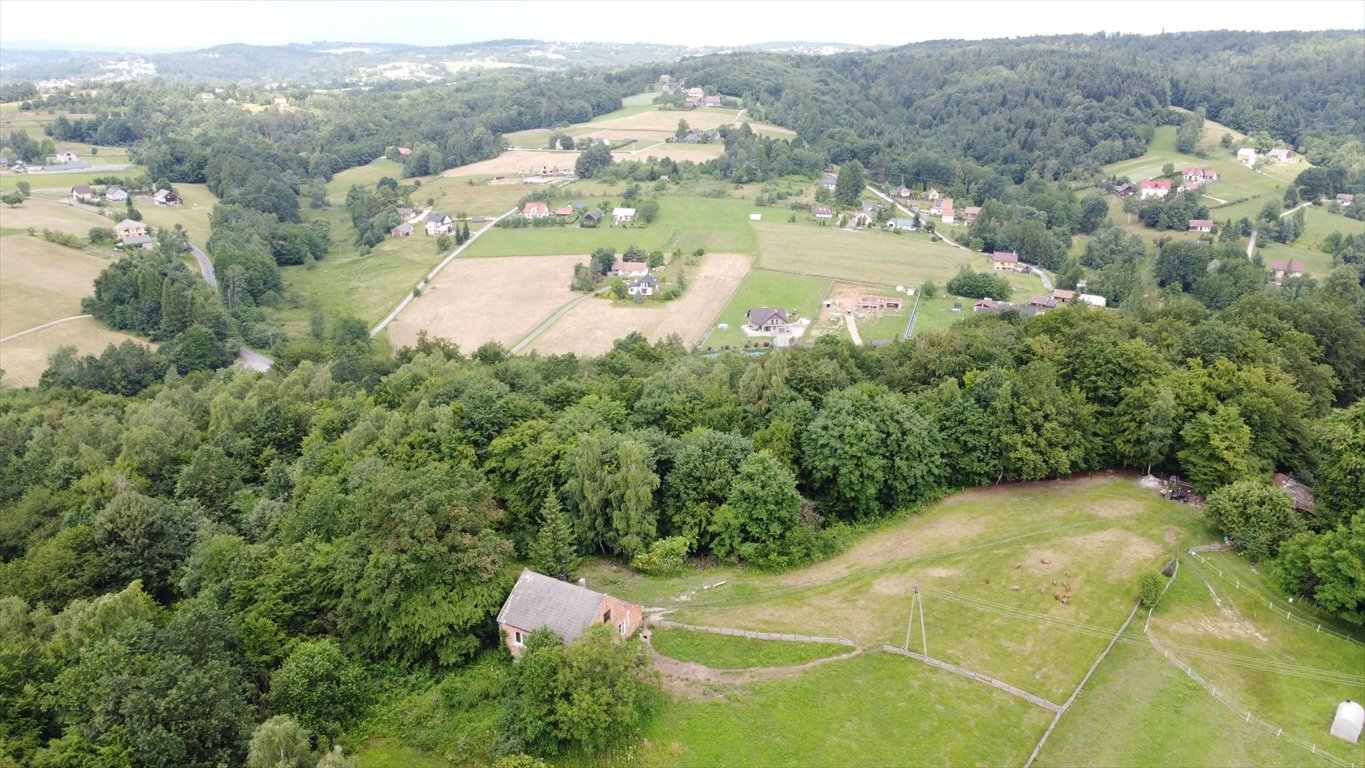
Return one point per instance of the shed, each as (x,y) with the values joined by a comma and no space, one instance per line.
(1348,722)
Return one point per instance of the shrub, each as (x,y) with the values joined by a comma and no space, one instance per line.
(664,558)
(1149,589)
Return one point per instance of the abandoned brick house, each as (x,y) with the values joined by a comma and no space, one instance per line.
(567,609)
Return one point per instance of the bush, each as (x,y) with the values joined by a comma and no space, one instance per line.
(1149,589)
(664,558)
(978,285)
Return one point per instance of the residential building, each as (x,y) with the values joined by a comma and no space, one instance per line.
(137,241)
(647,285)
(1283,269)
(1092,299)
(535,210)
(823,211)
(166,197)
(970,213)
(986,305)
(401,231)
(1344,200)
(1155,188)
(945,209)
(129,228)
(1063,296)
(564,211)
(1005,260)
(768,320)
(623,215)
(66,156)
(1282,155)
(1246,155)
(1201,225)
(541,602)
(1123,190)
(629,269)
(829,180)
(905,225)
(83,193)
(439,224)
(116,195)
(592,218)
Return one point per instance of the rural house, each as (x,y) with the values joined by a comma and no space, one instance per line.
(439,224)
(945,210)
(66,156)
(1155,188)
(129,228)
(1201,225)
(1246,155)
(905,225)
(166,197)
(768,320)
(539,601)
(1063,296)
(1344,200)
(629,269)
(402,230)
(1123,190)
(712,101)
(403,213)
(622,215)
(535,210)
(829,181)
(1041,304)
(985,305)
(83,193)
(903,192)
(823,211)
(592,218)
(1004,260)
(970,213)
(136,241)
(1304,501)
(564,211)
(116,195)
(1284,269)
(1282,156)
(643,286)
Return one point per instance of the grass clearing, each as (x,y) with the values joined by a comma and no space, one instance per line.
(193,214)
(39,214)
(762,288)
(60,184)
(716,225)
(41,281)
(24,359)
(727,652)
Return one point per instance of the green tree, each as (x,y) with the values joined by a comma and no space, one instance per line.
(24,189)
(553,551)
(648,210)
(1217,448)
(280,742)
(143,538)
(1255,514)
(760,513)
(1190,131)
(593,160)
(848,186)
(13,200)
(1329,567)
(319,687)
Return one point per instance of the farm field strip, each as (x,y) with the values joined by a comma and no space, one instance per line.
(25,358)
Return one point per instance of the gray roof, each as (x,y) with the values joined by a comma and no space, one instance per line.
(903,223)
(761,315)
(649,280)
(540,601)
(136,240)
(438,218)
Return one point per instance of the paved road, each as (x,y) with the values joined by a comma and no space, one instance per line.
(246,356)
(205,266)
(375,331)
(1251,245)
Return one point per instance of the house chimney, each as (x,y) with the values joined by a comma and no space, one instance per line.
(583,583)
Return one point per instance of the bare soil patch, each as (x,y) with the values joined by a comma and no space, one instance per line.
(593,326)
(474,301)
(520,161)
(677,152)
(664,120)
(903,541)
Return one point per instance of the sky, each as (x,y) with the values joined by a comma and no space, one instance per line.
(193,24)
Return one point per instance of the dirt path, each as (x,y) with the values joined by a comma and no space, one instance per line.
(697,681)
(853,328)
(37,328)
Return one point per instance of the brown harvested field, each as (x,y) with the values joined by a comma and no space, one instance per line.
(41,281)
(49,214)
(592,327)
(523,161)
(24,359)
(500,299)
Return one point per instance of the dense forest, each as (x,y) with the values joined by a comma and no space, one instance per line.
(203,567)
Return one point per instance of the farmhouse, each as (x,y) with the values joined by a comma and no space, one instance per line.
(592,218)
(564,211)
(1344,200)
(83,193)
(129,228)
(970,213)
(1041,303)
(1004,260)
(1246,155)
(824,212)
(116,195)
(629,269)
(643,286)
(1123,190)
(1201,225)
(439,224)
(1284,269)
(566,609)
(1155,188)
(403,213)
(166,197)
(622,215)
(946,210)
(829,180)
(136,241)
(905,225)
(1063,296)
(903,192)
(535,210)
(986,305)
(402,230)
(1282,155)
(768,320)
(1200,175)
(66,156)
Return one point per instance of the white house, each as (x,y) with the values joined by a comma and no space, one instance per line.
(622,215)
(1246,155)
(1155,188)
(824,211)
(535,210)
(907,225)
(66,156)
(643,286)
(629,269)
(439,224)
(1282,155)
(116,195)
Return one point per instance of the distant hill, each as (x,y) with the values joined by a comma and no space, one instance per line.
(335,64)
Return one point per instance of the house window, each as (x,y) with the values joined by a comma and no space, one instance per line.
(606,617)
(622,628)
(518,639)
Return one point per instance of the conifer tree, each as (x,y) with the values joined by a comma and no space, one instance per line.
(554,550)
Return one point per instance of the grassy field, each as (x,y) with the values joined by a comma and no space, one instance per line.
(60,184)
(727,652)
(24,359)
(193,215)
(767,289)
(39,214)
(720,225)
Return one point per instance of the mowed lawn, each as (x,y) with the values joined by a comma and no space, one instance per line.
(40,214)
(193,214)
(729,652)
(716,225)
(1318,224)
(799,293)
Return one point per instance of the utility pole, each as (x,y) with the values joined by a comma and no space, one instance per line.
(917,601)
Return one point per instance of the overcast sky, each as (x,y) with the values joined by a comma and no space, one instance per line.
(201,23)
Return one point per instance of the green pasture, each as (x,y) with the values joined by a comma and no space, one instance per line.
(728,652)
(717,225)
(193,214)
(762,288)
